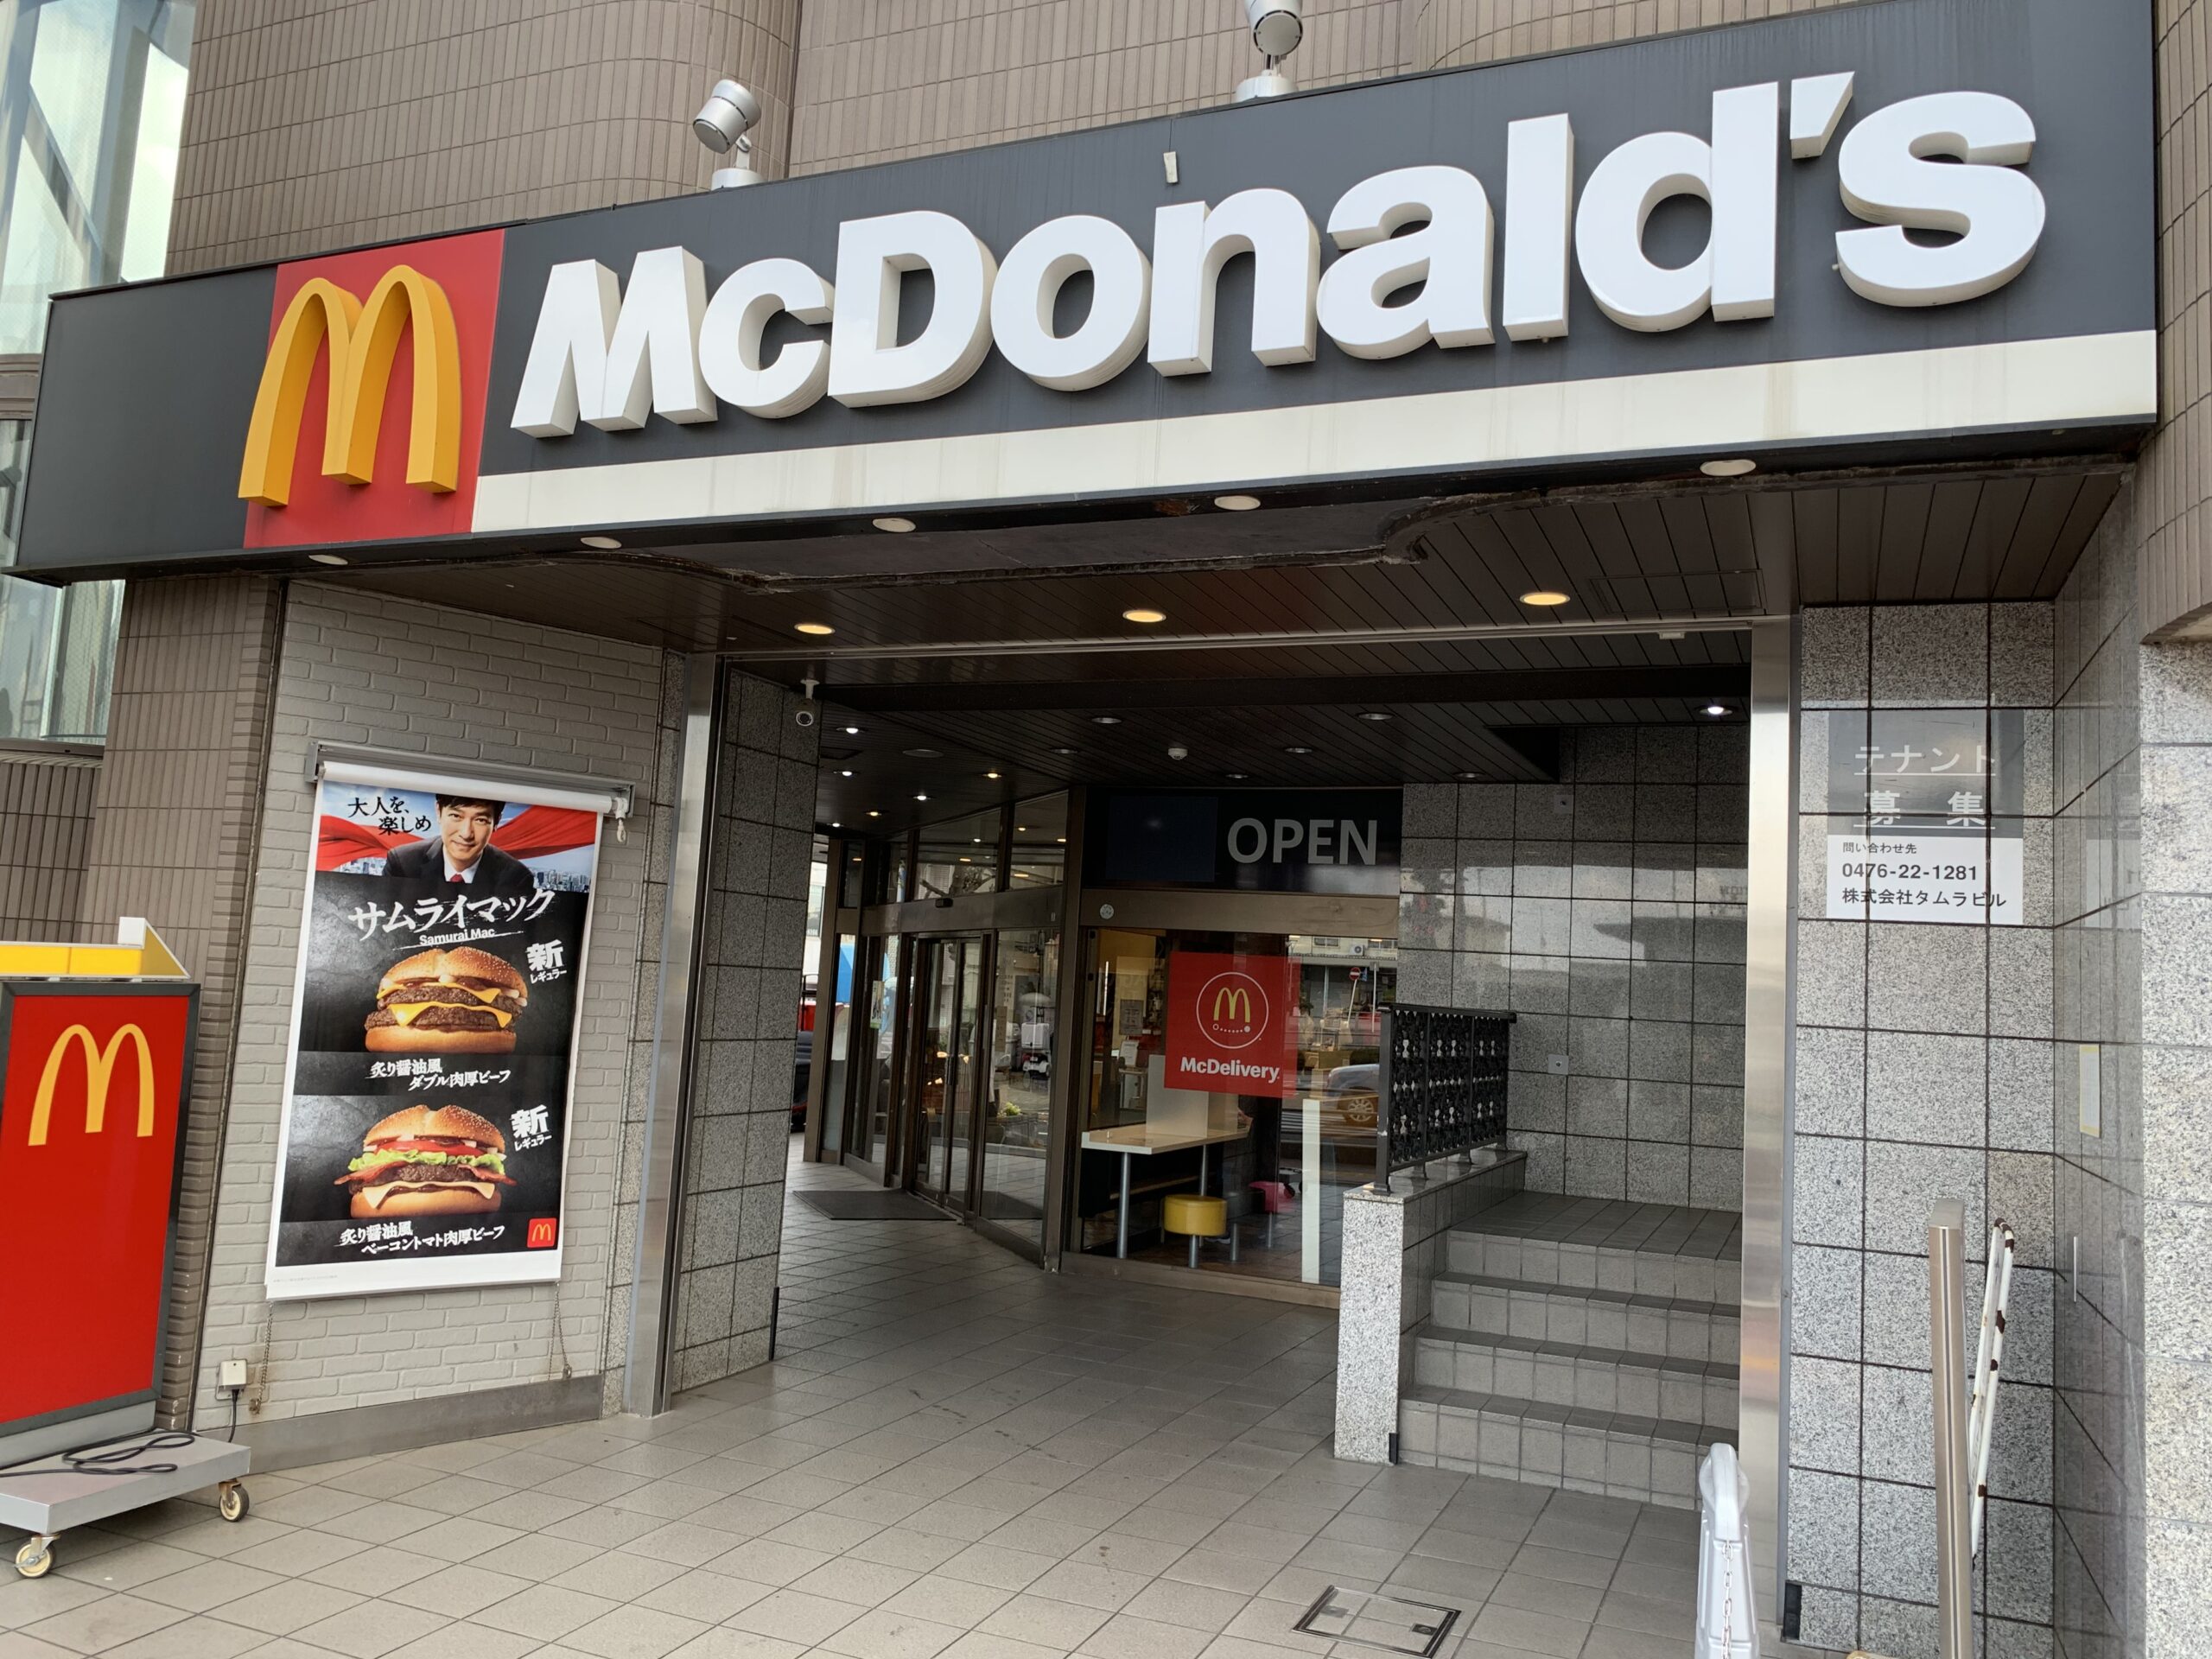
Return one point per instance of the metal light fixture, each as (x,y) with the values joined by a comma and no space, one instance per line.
(601,544)
(731,110)
(1716,709)
(1236,502)
(893,526)
(1276,30)
(1105,720)
(1377,716)
(1144,613)
(1544,596)
(819,630)
(1736,468)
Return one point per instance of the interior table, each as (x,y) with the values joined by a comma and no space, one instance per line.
(1134,1141)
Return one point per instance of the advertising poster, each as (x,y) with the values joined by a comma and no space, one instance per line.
(441,961)
(1232,1024)
(1926,824)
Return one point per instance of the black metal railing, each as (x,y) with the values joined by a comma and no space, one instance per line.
(1440,1086)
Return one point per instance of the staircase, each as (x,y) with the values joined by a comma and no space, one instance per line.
(1581,1343)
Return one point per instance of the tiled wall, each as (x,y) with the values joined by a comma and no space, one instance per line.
(877,82)
(359,669)
(1923,1071)
(739,1132)
(1607,911)
(2097,904)
(176,809)
(1447,32)
(46,831)
(313,125)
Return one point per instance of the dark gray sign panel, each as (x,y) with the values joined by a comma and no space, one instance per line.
(2068,342)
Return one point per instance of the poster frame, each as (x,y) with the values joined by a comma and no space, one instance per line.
(316,1281)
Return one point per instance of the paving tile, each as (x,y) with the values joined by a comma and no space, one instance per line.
(881,1633)
(547,1611)
(1124,1637)
(1532,1632)
(1059,1625)
(371,1630)
(107,1621)
(794,1616)
(208,1585)
(634,1633)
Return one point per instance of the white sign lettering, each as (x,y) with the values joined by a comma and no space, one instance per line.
(1414,250)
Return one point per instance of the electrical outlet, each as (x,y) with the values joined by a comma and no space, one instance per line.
(232,1376)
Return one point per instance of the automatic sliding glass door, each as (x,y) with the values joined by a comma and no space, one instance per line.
(949,991)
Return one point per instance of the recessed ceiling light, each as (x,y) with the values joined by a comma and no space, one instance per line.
(1064,750)
(1236,502)
(992,775)
(820,630)
(921,797)
(1237,777)
(1020,828)
(964,859)
(895,526)
(875,814)
(1143,614)
(1674,633)
(1543,596)
(1716,709)
(845,774)
(923,753)
(1105,720)
(1469,776)
(852,731)
(833,825)
(1378,715)
(1734,468)
(1296,748)
(338,558)
(604,544)
(1060,840)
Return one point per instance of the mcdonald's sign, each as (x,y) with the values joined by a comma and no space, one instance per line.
(99,1072)
(91,1097)
(1232,1024)
(369,414)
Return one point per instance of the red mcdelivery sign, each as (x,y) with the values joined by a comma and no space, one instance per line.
(1232,1024)
(92,1084)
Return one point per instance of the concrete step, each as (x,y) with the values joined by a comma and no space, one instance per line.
(1577,1375)
(1652,1460)
(1680,1327)
(1509,1255)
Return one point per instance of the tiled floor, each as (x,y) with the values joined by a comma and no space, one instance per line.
(955,1456)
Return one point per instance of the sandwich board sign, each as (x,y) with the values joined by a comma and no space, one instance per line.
(434,1025)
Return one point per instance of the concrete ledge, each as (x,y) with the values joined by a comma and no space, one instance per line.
(367,1430)
(1394,1247)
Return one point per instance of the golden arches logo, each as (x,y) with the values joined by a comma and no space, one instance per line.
(363,337)
(99,1068)
(1232,1002)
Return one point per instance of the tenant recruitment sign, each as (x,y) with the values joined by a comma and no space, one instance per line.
(441,961)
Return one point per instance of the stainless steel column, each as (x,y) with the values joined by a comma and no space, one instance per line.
(646,1381)
(1770,1045)
(1946,1222)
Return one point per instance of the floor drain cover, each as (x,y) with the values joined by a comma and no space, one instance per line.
(1373,1620)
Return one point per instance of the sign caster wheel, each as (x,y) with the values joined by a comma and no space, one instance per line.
(35,1559)
(231,1501)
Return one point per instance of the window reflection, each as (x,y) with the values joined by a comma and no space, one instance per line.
(1278,1163)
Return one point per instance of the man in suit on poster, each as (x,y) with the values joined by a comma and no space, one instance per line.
(463,853)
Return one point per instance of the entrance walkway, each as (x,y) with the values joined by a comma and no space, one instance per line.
(953,1457)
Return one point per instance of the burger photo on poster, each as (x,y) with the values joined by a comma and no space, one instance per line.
(457,1001)
(429,1160)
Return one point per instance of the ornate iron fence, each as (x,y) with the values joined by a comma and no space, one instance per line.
(1440,1086)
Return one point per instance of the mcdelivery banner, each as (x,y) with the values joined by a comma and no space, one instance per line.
(1232,1024)
(426,1120)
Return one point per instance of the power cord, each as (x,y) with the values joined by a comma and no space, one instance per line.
(111,1461)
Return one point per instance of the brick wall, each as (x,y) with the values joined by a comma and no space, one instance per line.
(312,124)
(359,670)
(176,809)
(46,833)
(1607,910)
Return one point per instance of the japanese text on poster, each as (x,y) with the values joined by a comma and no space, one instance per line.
(1926,824)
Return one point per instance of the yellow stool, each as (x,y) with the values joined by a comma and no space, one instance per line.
(1200,1217)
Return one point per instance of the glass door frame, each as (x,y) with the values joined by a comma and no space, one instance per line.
(907,1155)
